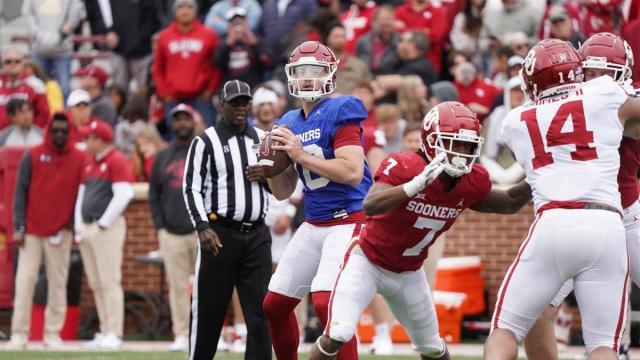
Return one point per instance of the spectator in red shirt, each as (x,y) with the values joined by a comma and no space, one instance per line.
(380,43)
(357,21)
(15,83)
(430,18)
(474,92)
(183,68)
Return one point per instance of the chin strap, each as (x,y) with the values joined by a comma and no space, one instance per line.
(323,351)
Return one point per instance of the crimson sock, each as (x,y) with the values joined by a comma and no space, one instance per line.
(348,351)
(282,324)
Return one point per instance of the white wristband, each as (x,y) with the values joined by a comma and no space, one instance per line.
(412,187)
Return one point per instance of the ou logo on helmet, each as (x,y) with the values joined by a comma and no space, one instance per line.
(529,64)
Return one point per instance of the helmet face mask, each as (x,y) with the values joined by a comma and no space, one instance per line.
(448,130)
(311,71)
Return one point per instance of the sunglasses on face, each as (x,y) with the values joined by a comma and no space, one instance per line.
(11,61)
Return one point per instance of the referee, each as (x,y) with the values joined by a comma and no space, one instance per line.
(226,196)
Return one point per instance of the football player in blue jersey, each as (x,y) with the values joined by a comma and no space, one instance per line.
(323,140)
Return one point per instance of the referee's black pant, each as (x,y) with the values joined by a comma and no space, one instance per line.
(244,261)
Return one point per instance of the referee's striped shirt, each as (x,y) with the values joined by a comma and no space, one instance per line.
(215,181)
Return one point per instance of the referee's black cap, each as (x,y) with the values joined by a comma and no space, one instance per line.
(235,88)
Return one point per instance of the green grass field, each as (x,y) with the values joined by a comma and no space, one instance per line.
(41,355)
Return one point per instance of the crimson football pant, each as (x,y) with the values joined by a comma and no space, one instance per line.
(284,326)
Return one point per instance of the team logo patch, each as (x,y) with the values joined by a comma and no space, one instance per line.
(529,63)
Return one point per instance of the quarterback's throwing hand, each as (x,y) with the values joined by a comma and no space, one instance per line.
(289,143)
(426,177)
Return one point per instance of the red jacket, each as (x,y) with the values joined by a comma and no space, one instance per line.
(50,179)
(479,91)
(357,22)
(29,88)
(432,20)
(183,62)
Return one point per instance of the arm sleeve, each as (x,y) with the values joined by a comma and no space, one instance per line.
(76,12)
(78,222)
(122,194)
(221,58)
(351,111)
(40,110)
(22,190)
(195,176)
(27,12)
(347,135)
(158,69)
(155,191)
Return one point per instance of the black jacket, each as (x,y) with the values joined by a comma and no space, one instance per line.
(165,191)
(239,62)
(135,21)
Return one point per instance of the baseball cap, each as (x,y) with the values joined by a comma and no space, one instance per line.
(515,60)
(94,71)
(235,11)
(558,12)
(99,129)
(182,108)
(264,96)
(235,88)
(78,97)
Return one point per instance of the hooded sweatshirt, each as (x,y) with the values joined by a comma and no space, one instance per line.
(48,180)
(45,19)
(183,62)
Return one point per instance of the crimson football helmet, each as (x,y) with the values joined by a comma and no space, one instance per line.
(315,62)
(445,124)
(610,52)
(551,67)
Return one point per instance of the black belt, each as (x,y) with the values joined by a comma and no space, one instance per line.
(241,226)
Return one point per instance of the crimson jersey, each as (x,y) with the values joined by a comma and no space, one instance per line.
(398,240)
(627,176)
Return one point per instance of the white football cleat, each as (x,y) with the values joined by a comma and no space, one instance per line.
(222,345)
(17,342)
(180,343)
(110,342)
(95,343)
(382,345)
(53,342)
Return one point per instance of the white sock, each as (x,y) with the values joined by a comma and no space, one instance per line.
(383,330)
(241,330)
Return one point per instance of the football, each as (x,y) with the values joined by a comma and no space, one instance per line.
(274,162)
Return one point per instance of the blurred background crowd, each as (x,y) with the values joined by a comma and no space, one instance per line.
(139,65)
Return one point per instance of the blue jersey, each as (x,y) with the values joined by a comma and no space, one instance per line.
(325,199)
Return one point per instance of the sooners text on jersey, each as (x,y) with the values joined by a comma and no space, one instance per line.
(398,240)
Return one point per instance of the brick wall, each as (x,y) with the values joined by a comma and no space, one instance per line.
(495,238)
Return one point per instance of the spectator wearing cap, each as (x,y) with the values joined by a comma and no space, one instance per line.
(263,108)
(428,17)
(176,234)
(515,64)
(93,79)
(183,69)
(21,132)
(15,82)
(51,28)
(100,229)
(79,108)
(48,179)
(562,27)
(128,26)
(351,69)
(238,56)
(357,21)
(279,18)
(443,91)
(219,19)
(229,213)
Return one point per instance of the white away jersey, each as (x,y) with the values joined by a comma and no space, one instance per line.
(568,144)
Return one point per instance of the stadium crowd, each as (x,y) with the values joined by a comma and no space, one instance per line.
(136,112)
